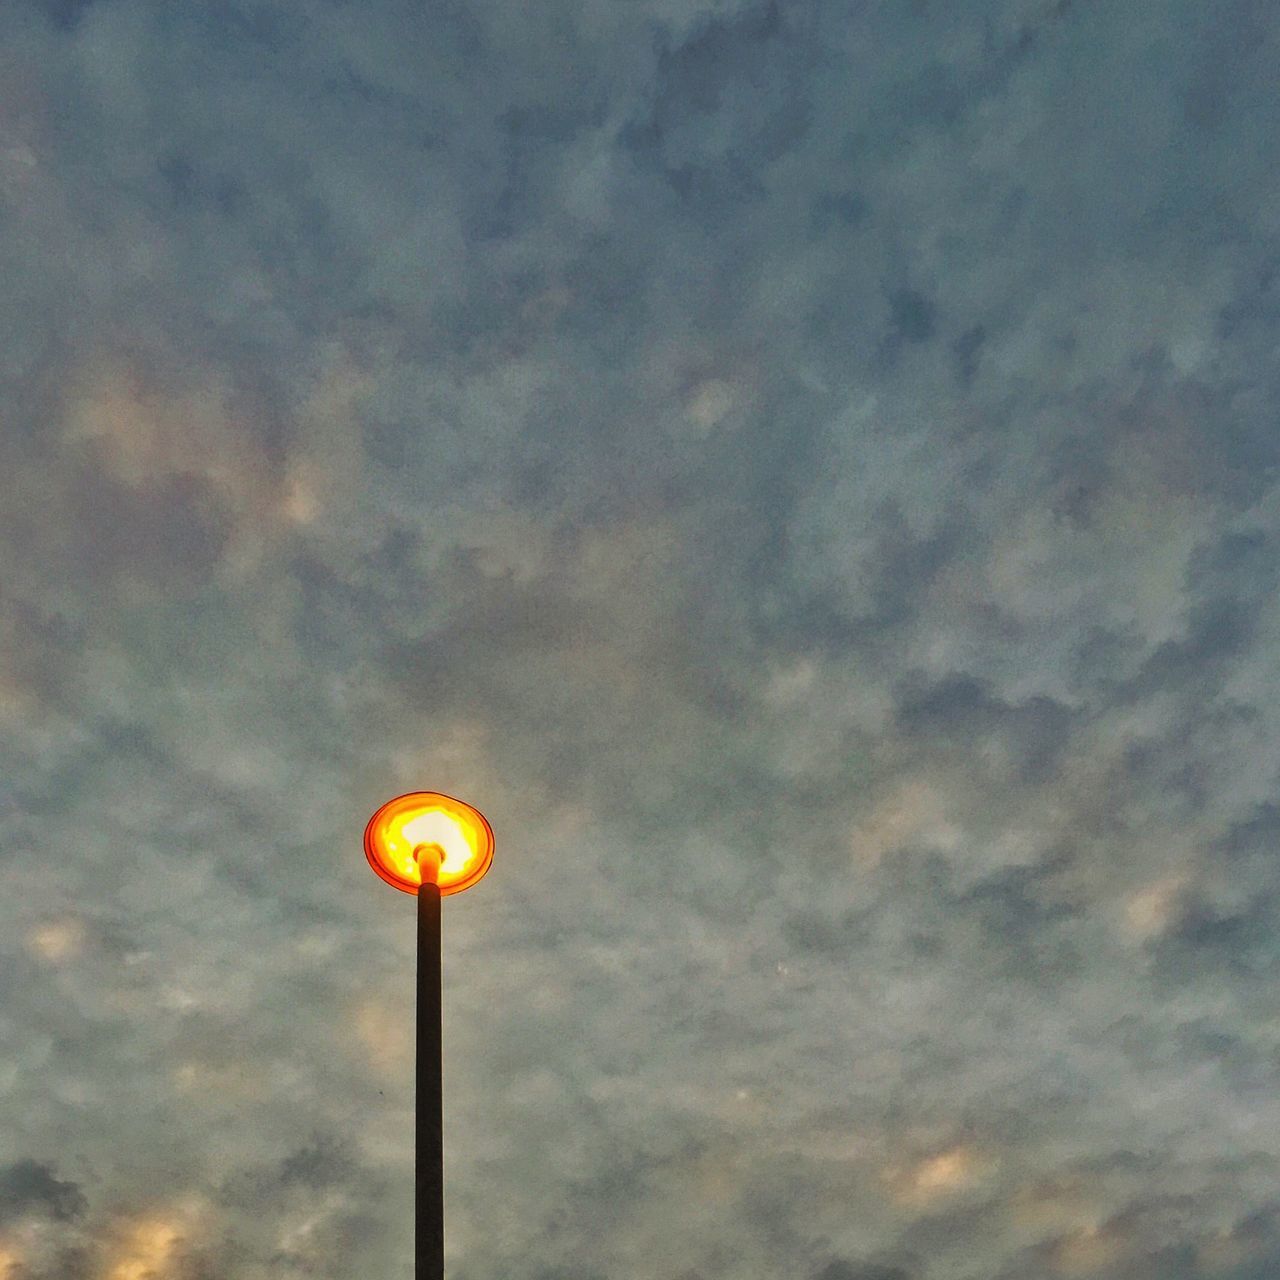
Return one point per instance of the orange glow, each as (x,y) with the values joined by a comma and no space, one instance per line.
(386,1037)
(942,1174)
(148,1247)
(429,818)
(57,940)
(1086,1251)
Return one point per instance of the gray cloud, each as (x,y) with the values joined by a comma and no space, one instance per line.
(27,1186)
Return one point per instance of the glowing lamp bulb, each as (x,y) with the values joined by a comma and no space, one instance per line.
(423,829)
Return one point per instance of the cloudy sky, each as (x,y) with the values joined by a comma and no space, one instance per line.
(808,470)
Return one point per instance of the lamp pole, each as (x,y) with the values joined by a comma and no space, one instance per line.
(430,845)
(428,1231)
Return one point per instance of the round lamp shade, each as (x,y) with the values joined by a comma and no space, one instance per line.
(463,836)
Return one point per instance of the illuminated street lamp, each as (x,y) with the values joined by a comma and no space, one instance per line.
(431,845)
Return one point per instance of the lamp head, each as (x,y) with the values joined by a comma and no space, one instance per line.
(425,836)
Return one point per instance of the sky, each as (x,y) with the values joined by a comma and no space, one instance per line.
(807,470)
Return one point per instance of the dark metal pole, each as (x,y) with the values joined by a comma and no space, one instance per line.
(429,1137)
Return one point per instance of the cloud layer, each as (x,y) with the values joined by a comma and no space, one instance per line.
(808,472)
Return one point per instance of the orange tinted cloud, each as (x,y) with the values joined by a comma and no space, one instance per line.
(1152,908)
(1085,1251)
(57,940)
(145,1248)
(384,1031)
(941,1174)
(915,811)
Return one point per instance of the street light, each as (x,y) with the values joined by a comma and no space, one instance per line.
(431,845)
